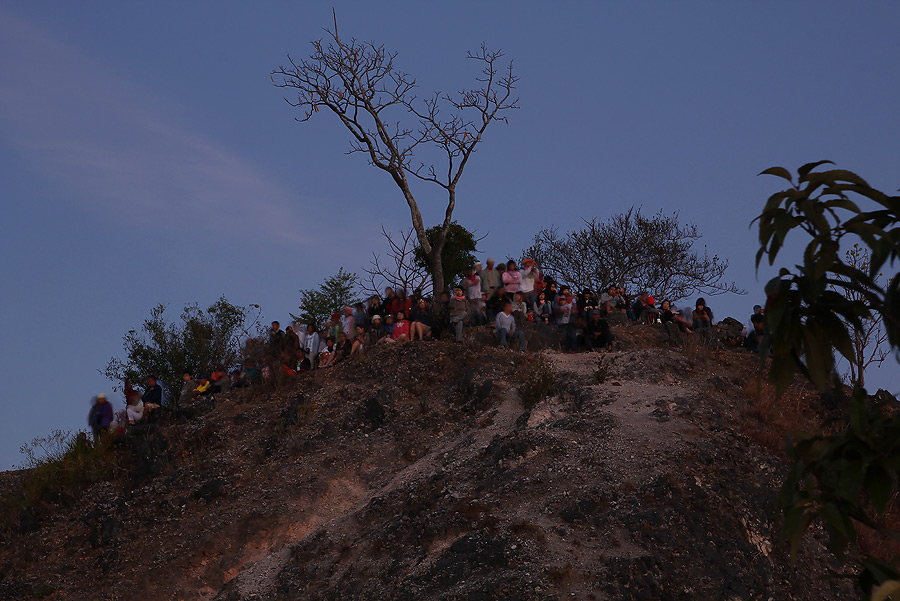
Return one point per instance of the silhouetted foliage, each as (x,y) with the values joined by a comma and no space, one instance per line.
(843,479)
(653,253)
(199,340)
(458,255)
(336,292)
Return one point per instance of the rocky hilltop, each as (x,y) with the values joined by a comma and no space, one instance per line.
(439,471)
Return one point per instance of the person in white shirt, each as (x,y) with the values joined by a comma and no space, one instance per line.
(506,327)
(472,283)
(348,323)
(528,274)
(311,345)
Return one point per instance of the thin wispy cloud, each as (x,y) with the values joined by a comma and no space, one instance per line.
(93,134)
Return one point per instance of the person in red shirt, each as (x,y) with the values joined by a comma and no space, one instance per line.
(401,328)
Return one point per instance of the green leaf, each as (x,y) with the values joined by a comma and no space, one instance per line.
(779,172)
(805,169)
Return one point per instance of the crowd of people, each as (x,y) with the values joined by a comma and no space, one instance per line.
(500,298)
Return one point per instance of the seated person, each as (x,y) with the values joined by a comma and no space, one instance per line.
(586,303)
(187,388)
(153,395)
(204,386)
(220,380)
(328,354)
(543,310)
(420,320)
(303,362)
(505,326)
(643,308)
(252,375)
(375,334)
(134,407)
(344,346)
(669,314)
(389,328)
(702,315)
(597,334)
(400,331)
(754,336)
(608,300)
(358,342)
(519,308)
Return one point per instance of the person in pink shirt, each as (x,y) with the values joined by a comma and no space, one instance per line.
(511,280)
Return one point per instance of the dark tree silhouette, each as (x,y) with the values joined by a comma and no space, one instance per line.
(643,253)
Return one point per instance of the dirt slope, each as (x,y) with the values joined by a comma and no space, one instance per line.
(418,474)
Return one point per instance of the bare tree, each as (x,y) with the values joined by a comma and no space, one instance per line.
(647,253)
(359,83)
(398,269)
(869,338)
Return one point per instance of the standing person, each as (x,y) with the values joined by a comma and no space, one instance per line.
(291,343)
(375,308)
(529,275)
(565,317)
(100,416)
(473,295)
(348,323)
(276,336)
(312,345)
(390,302)
(494,304)
(490,279)
(458,312)
(505,326)
(511,279)
(360,318)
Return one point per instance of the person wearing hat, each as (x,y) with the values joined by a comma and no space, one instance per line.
(376,333)
(100,416)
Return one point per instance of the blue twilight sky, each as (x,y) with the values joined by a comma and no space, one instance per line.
(145,156)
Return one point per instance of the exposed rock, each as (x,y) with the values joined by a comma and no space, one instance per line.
(415,474)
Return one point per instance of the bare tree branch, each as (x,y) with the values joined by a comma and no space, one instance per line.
(643,253)
(359,83)
(398,269)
